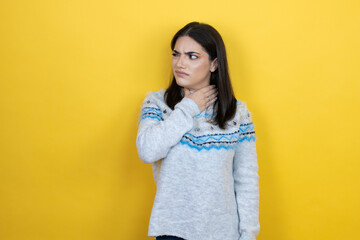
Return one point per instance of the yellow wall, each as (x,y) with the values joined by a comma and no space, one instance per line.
(74,73)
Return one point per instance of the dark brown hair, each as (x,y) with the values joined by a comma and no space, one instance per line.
(211,41)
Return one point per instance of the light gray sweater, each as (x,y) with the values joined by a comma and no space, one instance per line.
(206,178)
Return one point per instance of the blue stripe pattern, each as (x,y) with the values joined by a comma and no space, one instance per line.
(217,141)
(205,114)
(151,112)
(227,141)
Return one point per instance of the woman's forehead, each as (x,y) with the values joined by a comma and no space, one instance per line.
(187,44)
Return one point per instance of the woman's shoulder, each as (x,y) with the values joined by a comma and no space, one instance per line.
(242,112)
(157,96)
(155,100)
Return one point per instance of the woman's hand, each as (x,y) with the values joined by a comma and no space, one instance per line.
(203,97)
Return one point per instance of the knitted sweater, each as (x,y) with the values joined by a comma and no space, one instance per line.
(206,177)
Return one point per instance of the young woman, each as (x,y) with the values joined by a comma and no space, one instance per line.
(201,142)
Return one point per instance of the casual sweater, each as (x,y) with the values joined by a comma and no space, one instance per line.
(206,177)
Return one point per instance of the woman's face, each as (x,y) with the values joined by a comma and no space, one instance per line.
(191,65)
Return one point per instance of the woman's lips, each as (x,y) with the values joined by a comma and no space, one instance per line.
(181,73)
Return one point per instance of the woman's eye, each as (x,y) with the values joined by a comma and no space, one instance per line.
(174,54)
(195,57)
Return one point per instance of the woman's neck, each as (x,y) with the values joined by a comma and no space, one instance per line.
(199,87)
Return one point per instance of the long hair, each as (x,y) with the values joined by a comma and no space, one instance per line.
(211,41)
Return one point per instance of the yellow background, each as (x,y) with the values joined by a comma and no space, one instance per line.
(74,73)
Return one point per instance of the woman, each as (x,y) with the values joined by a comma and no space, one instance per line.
(201,142)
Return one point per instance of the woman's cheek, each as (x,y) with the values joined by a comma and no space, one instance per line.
(201,70)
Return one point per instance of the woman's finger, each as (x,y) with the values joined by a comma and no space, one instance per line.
(206,89)
(211,101)
(213,95)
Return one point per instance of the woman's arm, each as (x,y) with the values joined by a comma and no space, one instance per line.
(155,135)
(246,179)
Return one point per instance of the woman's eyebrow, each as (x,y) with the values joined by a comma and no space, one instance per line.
(191,52)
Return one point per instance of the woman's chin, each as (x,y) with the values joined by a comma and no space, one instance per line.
(182,84)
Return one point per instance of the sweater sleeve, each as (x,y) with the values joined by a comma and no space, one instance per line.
(157,135)
(246,178)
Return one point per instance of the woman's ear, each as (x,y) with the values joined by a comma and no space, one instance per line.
(214,65)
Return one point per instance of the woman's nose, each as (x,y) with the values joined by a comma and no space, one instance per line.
(180,62)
